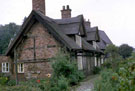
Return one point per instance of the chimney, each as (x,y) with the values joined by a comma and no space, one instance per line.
(88,23)
(66,12)
(39,5)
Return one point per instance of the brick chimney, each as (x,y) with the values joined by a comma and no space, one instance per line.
(88,23)
(66,12)
(39,5)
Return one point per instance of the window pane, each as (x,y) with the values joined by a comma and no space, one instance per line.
(3,64)
(6,64)
(20,67)
(7,69)
(3,69)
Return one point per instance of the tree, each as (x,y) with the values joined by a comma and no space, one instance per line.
(125,50)
(114,56)
(112,51)
(7,32)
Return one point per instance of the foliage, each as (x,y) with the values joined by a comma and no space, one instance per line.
(113,57)
(41,84)
(121,79)
(125,50)
(132,57)
(112,51)
(64,66)
(65,74)
(96,70)
(107,64)
(11,83)
(3,80)
(63,83)
(104,83)
(19,88)
(6,33)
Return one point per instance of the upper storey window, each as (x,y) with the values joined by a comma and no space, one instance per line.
(78,40)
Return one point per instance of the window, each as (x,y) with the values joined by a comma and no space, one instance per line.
(79,61)
(20,68)
(79,40)
(5,67)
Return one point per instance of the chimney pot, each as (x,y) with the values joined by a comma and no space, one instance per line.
(67,7)
(63,7)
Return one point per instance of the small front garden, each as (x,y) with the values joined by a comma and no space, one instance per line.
(65,74)
(118,73)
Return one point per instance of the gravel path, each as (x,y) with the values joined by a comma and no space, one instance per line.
(87,84)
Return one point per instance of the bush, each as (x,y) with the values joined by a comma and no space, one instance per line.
(120,80)
(64,66)
(19,88)
(65,73)
(107,64)
(3,80)
(96,70)
(63,83)
(104,83)
(41,84)
(11,83)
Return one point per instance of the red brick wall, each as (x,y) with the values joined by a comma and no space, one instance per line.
(43,44)
(45,47)
(66,12)
(5,59)
(37,70)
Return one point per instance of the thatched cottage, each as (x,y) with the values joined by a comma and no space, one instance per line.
(41,38)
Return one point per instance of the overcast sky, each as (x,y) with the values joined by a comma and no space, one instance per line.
(115,17)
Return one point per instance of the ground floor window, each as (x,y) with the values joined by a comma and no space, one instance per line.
(79,61)
(5,67)
(20,67)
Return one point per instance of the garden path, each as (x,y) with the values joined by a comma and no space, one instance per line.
(87,84)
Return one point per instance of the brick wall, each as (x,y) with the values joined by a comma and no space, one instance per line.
(66,12)
(8,60)
(45,46)
(39,5)
(37,70)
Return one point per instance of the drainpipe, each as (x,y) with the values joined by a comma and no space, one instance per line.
(15,60)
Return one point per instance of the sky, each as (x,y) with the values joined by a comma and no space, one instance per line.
(115,17)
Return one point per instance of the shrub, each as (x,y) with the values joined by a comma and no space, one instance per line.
(19,88)
(64,66)
(3,80)
(120,80)
(104,83)
(41,84)
(11,83)
(96,70)
(107,64)
(63,83)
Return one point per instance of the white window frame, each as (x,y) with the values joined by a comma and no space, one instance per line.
(20,67)
(5,67)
